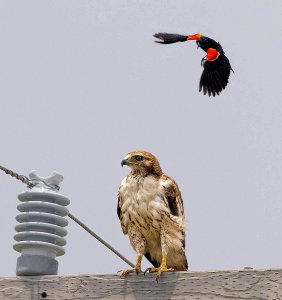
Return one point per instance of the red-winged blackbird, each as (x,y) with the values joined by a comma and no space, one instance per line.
(216,65)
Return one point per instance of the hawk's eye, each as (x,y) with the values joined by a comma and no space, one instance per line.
(139,157)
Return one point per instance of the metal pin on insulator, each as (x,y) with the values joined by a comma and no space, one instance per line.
(40,232)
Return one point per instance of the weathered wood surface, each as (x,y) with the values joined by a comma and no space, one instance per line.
(232,285)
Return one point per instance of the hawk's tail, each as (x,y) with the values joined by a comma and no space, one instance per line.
(170,38)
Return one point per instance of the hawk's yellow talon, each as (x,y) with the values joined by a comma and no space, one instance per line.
(161,269)
(136,270)
(122,273)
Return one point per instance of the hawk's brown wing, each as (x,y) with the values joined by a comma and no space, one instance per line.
(173,196)
(175,204)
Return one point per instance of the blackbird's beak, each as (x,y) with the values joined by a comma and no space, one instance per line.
(123,162)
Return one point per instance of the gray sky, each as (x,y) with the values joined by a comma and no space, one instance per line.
(82,84)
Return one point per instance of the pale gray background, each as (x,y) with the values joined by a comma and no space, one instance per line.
(82,84)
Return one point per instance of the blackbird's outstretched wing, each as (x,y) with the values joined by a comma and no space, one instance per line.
(215,76)
(169,38)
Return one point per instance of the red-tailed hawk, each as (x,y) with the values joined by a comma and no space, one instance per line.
(150,209)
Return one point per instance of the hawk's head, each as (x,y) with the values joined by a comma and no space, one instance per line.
(142,162)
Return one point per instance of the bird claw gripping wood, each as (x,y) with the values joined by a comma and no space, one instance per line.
(122,273)
(159,271)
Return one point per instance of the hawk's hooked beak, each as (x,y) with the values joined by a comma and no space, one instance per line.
(123,162)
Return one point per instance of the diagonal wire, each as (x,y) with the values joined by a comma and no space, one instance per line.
(100,240)
(31,184)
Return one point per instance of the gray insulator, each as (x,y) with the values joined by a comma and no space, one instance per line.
(40,234)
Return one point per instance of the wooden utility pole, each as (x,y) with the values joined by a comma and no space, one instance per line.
(232,285)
